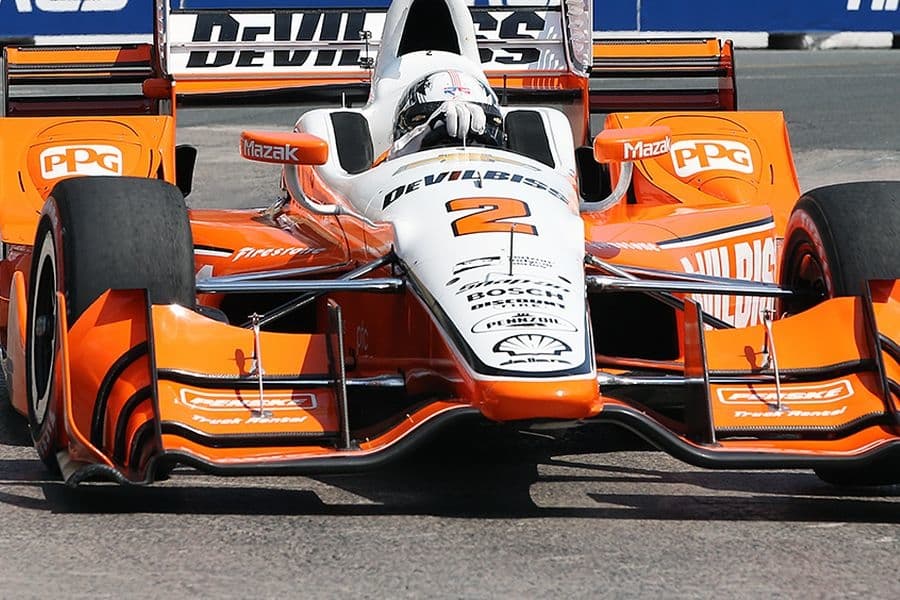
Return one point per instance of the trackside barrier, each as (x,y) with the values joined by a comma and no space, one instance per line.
(100,21)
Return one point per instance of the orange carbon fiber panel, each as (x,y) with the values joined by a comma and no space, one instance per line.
(798,339)
(189,343)
(736,157)
(561,399)
(112,326)
(669,49)
(140,54)
(41,151)
(823,405)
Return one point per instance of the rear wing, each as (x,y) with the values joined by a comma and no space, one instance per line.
(246,48)
(73,81)
(662,75)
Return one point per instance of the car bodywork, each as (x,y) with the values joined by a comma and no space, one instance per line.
(381,299)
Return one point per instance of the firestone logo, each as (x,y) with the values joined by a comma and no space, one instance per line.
(69,6)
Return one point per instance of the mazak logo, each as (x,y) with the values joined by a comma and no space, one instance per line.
(826,393)
(70,6)
(874,6)
(95,159)
(696,156)
(279,154)
(642,150)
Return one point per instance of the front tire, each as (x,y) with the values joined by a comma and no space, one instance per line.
(838,238)
(95,234)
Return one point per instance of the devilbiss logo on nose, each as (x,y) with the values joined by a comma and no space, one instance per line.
(89,160)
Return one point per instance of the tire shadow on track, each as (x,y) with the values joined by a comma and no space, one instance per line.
(492,477)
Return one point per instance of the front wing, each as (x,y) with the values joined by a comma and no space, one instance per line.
(141,388)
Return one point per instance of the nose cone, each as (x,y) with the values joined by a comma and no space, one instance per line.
(549,399)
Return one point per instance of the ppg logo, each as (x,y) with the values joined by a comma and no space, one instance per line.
(65,161)
(695,156)
(70,6)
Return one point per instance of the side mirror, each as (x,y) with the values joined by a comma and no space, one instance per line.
(629,145)
(286,148)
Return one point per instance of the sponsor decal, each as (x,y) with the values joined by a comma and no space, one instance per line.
(522,320)
(86,159)
(266,152)
(641,246)
(257,30)
(514,291)
(70,6)
(756,414)
(696,156)
(875,6)
(518,303)
(249,252)
(532,261)
(825,393)
(205,401)
(475,263)
(752,261)
(532,348)
(467,175)
(504,280)
(250,420)
(642,150)
(467,155)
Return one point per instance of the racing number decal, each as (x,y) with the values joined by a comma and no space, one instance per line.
(491,216)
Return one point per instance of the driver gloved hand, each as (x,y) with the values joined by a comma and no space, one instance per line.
(461,118)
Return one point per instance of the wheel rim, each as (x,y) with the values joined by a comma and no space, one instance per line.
(43,331)
(805,274)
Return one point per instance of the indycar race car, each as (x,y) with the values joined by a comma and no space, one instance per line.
(665,275)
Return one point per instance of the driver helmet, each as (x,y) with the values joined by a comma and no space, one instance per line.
(426,95)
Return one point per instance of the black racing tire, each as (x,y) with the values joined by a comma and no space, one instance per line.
(838,237)
(95,234)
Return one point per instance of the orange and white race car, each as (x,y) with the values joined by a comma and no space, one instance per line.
(460,246)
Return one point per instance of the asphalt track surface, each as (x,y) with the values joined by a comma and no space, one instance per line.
(485,513)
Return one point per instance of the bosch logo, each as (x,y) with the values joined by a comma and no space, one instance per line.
(70,6)
(695,156)
(89,160)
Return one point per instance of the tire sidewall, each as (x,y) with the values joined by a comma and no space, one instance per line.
(44,427)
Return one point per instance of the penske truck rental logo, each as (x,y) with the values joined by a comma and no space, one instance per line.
(753,395)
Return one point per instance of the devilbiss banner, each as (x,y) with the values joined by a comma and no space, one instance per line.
(111,18)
